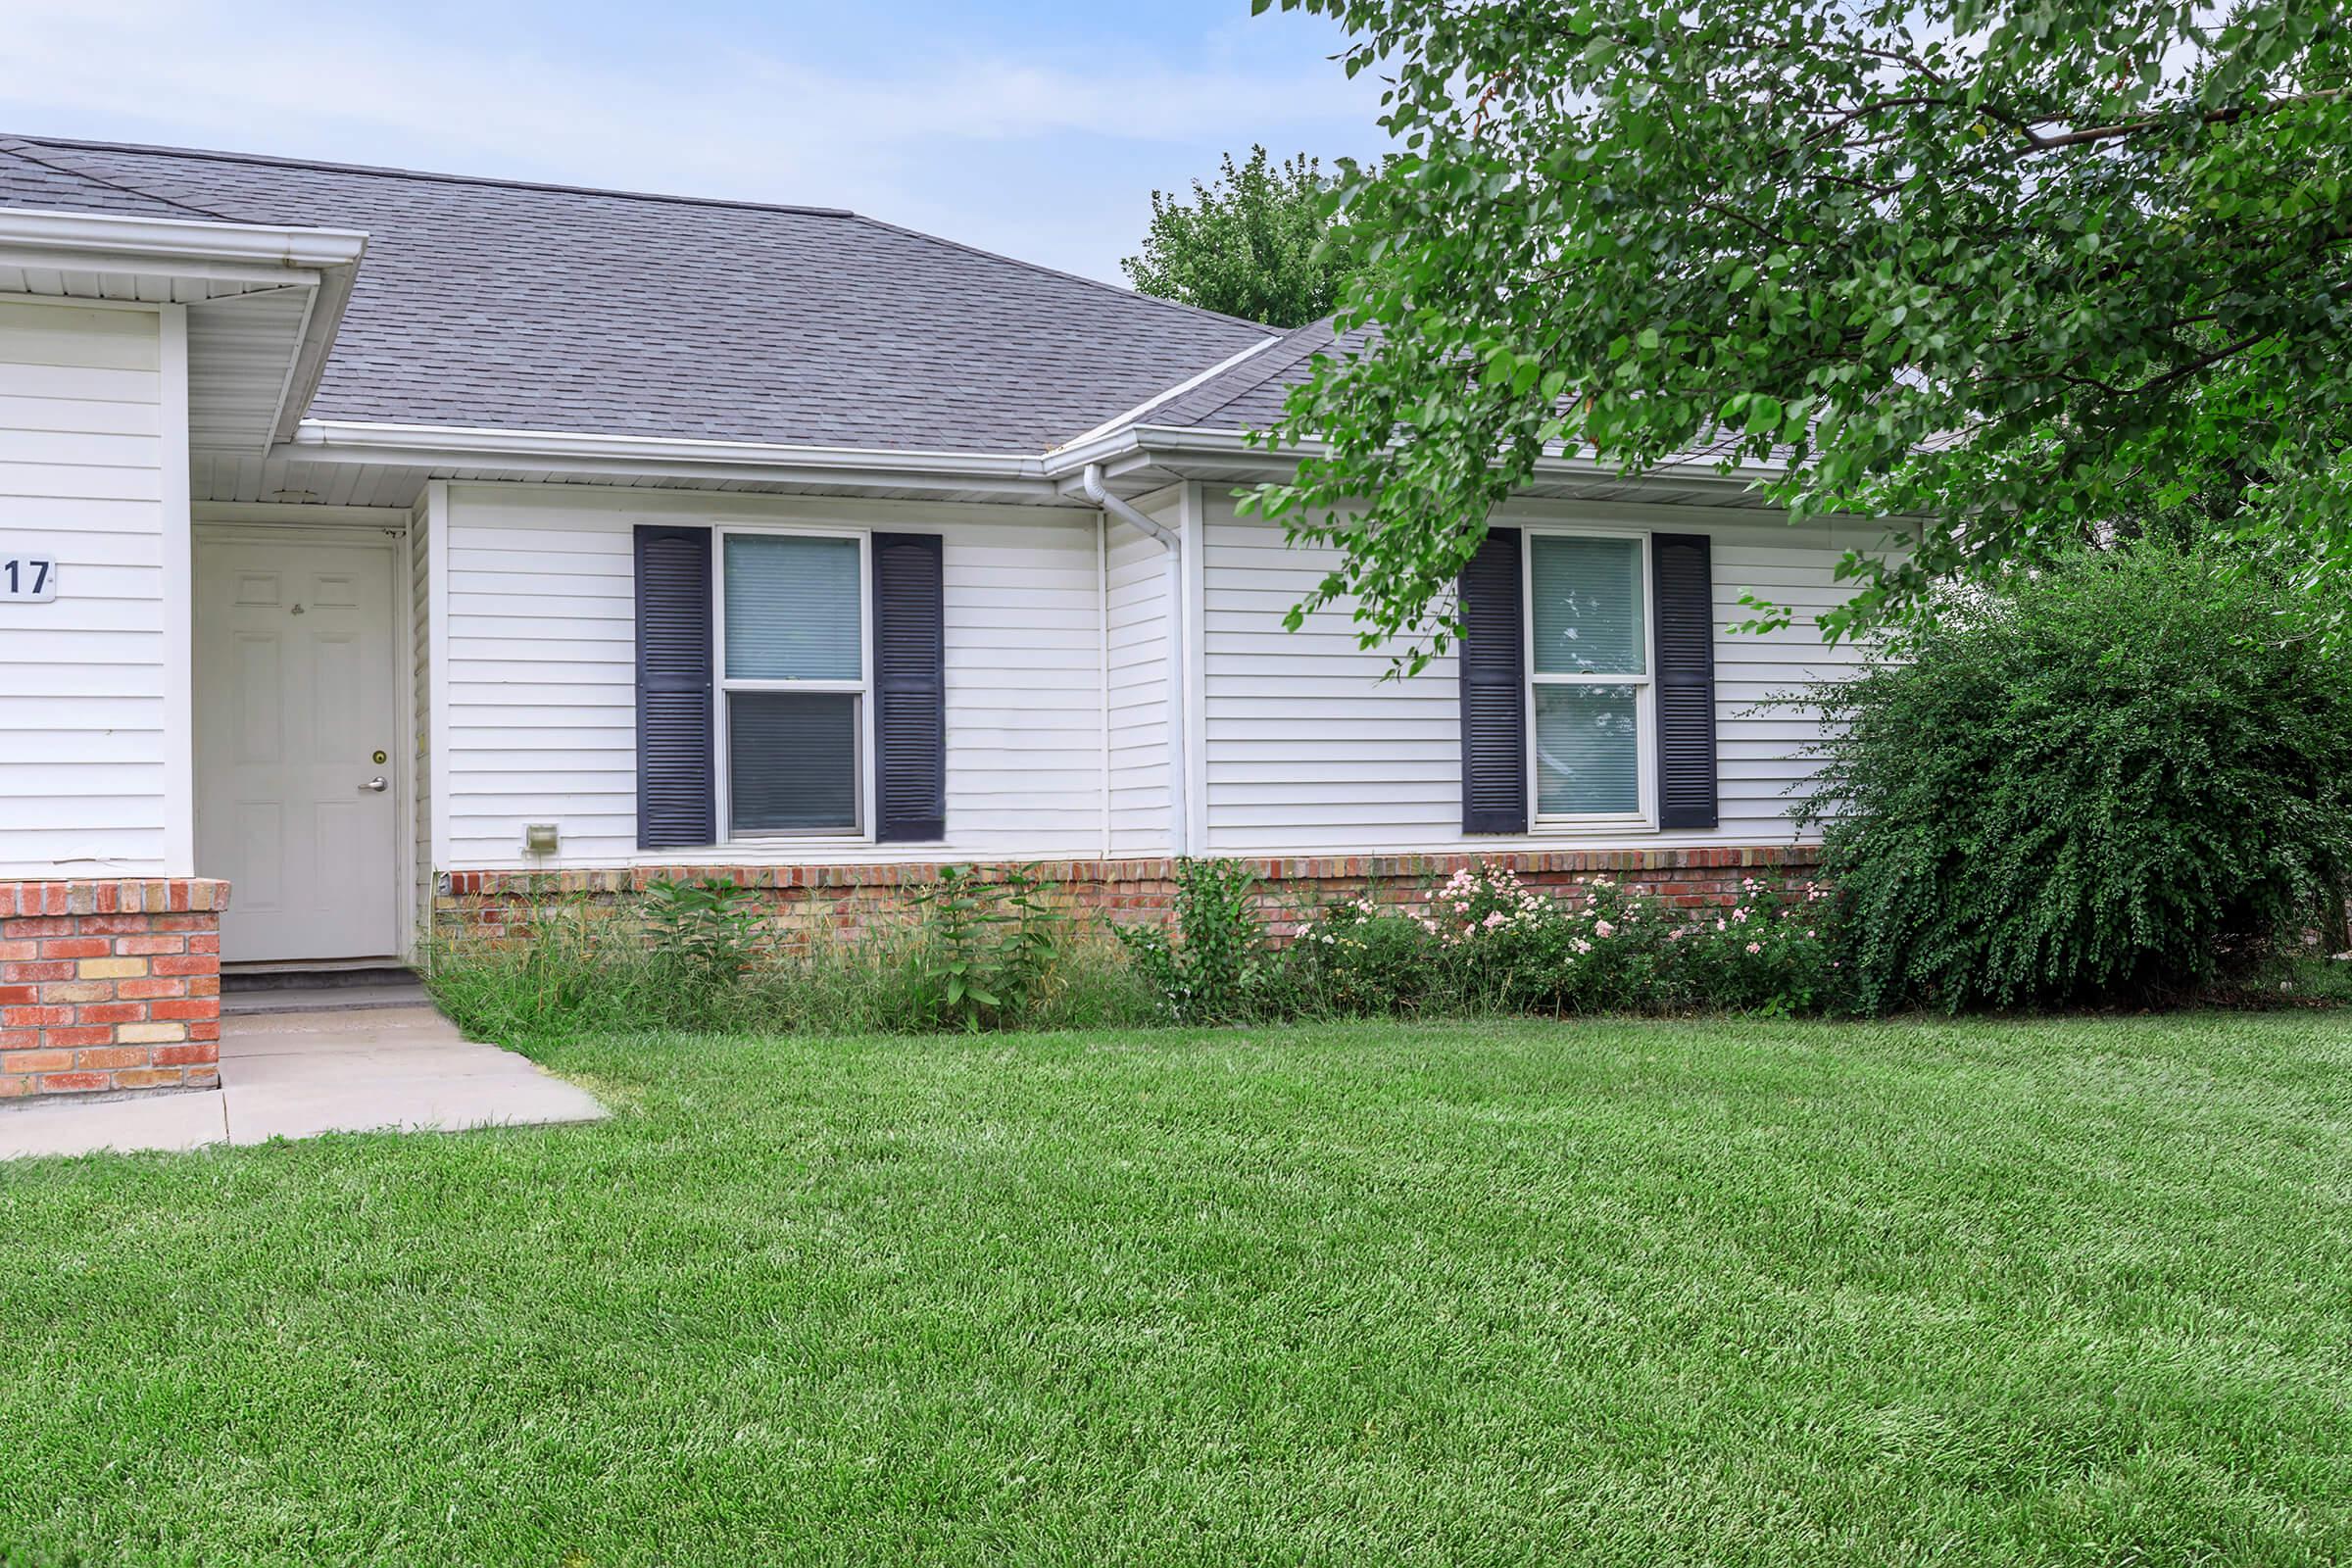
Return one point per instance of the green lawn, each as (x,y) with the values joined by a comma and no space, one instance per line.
(1624,1292)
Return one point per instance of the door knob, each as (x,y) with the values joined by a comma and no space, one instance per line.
(377,785)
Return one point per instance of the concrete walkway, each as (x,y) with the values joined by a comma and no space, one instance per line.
(299,1074)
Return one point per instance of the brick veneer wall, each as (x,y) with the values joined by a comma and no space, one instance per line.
(843,901)
(109,986)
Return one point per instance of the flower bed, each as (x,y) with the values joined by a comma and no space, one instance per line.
(1484,941)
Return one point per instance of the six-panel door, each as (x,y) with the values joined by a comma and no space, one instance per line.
(296,792)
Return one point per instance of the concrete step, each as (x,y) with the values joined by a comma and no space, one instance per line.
(237,1002)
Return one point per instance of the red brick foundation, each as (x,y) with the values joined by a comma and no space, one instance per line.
(107,987)
(844,900)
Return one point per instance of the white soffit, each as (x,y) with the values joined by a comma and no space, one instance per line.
(263,303)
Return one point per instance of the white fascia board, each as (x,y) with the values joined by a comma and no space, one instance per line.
(321,319)
(572,452)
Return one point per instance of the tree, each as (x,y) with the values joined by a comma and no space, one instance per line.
(1260,243)
(2023,273)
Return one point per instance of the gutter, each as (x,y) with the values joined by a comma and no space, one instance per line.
(1046,478)
(238,253)
(1171,546)
(1146,442)
(429,446)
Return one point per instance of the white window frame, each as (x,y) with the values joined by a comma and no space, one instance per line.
(862,688)
(1645,684)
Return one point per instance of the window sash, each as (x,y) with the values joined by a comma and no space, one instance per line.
(861,831)
(1591,631)
(1642,685)
(788,601)
(824,732)
(1586,747)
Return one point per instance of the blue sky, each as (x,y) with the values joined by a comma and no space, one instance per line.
(1037,129)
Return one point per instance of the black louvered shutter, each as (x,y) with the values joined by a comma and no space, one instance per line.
(1682,584)
(677,793)
(911,689)
(1493,669)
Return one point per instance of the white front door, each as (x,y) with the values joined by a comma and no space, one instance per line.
(297,798)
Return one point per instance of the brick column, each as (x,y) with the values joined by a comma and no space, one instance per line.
(108,987)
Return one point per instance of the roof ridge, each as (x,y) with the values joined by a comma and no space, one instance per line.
(969,249)
(387,172)
(30,150)
(1219,392)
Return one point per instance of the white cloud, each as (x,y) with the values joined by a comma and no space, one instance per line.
(741,122)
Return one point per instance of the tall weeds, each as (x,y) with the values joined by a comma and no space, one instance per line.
(694,958)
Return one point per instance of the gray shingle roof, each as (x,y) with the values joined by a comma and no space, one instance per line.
(497,304)
(1249,396)
(37,177)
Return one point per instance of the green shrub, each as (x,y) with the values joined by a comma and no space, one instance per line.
(2115,780)
(1770,952)
(1212,966)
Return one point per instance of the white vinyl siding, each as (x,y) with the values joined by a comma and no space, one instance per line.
(1305,750)
(1311,752)
(93,761)
(1140,799)
(538,667)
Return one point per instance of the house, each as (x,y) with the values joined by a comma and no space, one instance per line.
(368,537)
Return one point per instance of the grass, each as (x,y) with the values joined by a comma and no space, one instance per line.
(2058,1292)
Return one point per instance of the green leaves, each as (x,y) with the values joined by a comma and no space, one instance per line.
(2117,775)
(2026,275)
(986,947)
(1266,242)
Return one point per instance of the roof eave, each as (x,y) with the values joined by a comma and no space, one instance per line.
(201,263)
(1172,449)
(1135,457)
(588,456)
(318,328)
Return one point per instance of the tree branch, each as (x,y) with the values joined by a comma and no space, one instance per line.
(2132,127)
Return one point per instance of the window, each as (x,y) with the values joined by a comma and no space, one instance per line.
(1589,669)
(793,678)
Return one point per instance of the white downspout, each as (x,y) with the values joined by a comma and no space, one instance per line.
(1172,544)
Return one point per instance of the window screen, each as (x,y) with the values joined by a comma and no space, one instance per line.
(1588,673)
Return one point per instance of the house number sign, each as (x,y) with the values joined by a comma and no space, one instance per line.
(25,579)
